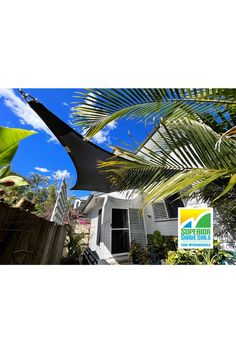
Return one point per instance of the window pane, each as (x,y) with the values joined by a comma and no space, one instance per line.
(120,241)
(172,206)
(119,218)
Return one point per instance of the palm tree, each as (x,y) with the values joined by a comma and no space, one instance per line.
(36,180)
(216,107)
(184,157)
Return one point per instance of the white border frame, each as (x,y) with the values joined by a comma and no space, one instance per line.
(211,228)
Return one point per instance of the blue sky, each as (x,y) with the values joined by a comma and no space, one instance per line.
(41,153)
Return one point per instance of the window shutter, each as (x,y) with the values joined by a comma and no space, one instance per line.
(159,211)
(137,230)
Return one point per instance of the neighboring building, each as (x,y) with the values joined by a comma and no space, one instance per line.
(80,202)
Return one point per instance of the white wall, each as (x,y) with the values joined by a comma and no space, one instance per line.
(166,227)
(93,215)
(103,248)
(107,202)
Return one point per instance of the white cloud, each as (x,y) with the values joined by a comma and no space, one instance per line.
(24,112)
(91,95)
(112,125)
(66,104)
(42,170)
(101,136)
(60,174)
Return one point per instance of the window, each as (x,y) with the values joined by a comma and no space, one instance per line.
(159,210)
(120,241)
(99,226)
(119,218)
(172,205)
(168,208)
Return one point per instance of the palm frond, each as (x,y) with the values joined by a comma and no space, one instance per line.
(182,158)
(98,107)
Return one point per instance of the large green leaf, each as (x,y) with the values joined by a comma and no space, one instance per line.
(98,107)
(182,158)
(9,140)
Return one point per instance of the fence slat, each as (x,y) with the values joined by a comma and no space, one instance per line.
(28,239)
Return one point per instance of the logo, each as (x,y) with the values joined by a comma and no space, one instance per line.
(195,228)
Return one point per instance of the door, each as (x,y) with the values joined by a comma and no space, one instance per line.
(120,242)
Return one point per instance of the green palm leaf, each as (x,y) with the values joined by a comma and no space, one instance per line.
(98,107)
(182,158)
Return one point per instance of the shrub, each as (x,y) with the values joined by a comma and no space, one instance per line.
(161,244)
(215,256)
(138,254)
(75,250)
(180,257)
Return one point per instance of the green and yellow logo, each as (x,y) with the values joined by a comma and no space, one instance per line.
(195,228)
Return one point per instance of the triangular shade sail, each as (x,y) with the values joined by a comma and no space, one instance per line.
(85,155)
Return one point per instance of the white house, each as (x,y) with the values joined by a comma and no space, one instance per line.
(118,218)
(80,202)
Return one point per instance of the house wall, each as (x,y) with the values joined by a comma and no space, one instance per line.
(166,227)
(93,215)
(103,248)
(112,200)
(106,203)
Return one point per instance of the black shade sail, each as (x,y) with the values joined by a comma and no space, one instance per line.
(84,154)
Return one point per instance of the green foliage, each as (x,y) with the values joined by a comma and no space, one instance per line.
(180,257)
(157,248)
(138,254)
(165,247)
(52,196)
(161,244)
(41,198)
(224,208)
(98,107)
(75,250)
(14,194)
(215,256)
(37,183)
(9,141)
(183,159)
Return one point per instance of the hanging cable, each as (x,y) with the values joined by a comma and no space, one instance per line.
(27,97)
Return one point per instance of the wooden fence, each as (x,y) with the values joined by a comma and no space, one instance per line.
(28,239)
